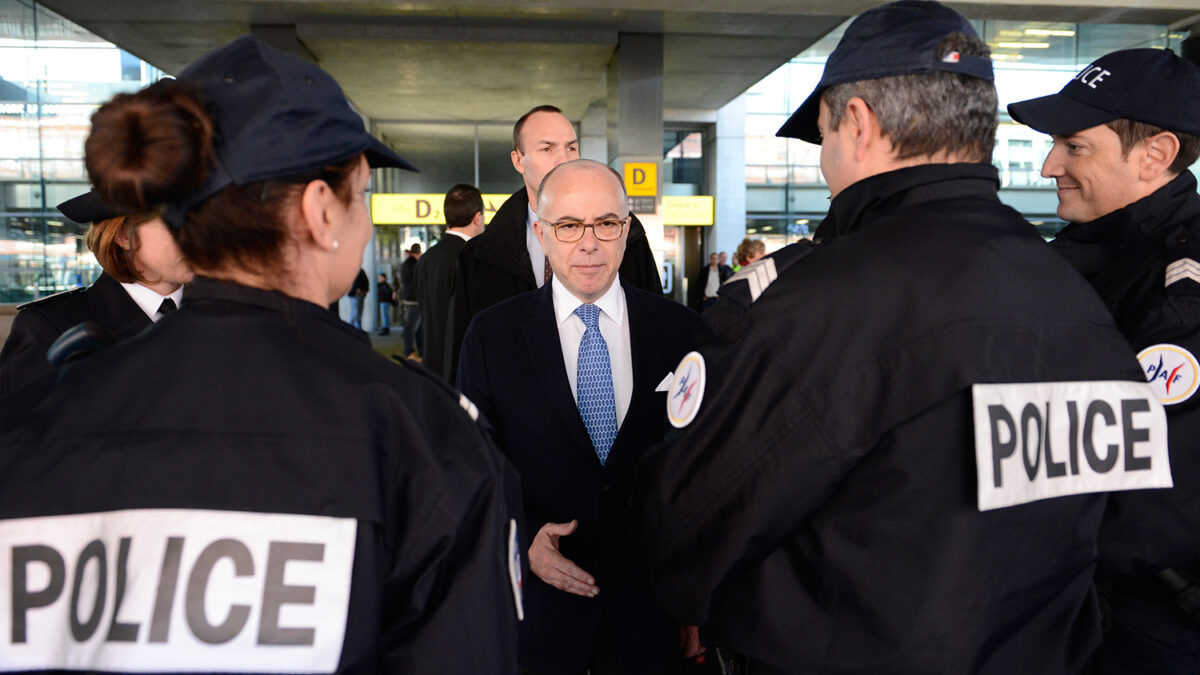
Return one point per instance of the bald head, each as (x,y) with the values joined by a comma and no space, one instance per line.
(597,177)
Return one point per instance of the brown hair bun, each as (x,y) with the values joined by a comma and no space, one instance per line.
(150,147)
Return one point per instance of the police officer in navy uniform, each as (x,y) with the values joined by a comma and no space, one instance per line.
(142,281)
(864,484)
(1125,130)
(247,486)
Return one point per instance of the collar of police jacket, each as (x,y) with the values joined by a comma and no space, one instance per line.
(863,202)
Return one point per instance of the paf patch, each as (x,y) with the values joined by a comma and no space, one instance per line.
(687,390)
(1172,372)
(1041,440)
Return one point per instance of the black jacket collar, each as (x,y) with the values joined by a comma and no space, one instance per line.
(204,290)
(867,200)
(1092,246)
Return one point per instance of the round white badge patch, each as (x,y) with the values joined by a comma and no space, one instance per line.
(686,391)
(1172,371)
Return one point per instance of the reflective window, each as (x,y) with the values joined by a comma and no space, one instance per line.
(53,75)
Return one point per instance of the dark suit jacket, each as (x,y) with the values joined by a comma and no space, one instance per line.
(495,266)
(512,368)
(435,283)
(39,324)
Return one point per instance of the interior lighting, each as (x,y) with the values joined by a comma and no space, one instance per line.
(802,221)
(1047,32)
(1023,45)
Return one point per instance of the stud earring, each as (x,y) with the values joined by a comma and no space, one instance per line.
(335,244)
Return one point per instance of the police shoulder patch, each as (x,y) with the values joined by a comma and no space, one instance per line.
(687,390)
(751,281)
(1172,371)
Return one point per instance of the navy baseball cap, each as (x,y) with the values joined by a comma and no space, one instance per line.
(276,115)
(1153,86)
(900,38)
(89,208)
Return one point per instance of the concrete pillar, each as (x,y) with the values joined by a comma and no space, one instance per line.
(593,133)
(635,120)
(728,178)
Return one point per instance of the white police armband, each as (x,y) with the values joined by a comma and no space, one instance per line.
(1041,440)
(175,590)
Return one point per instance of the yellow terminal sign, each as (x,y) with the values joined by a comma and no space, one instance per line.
(687,210)
(641,179)
(421,209)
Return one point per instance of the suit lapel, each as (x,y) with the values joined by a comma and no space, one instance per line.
(644,354)
(545,353)
(113,308)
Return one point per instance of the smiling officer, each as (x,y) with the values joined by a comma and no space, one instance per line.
(1126,129)
(863,484)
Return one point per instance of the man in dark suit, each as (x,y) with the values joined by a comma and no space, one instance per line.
(463,207)
(506,259)
(570,375)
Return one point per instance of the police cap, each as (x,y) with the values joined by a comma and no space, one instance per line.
(276,115)
(1153,86)
(900,38)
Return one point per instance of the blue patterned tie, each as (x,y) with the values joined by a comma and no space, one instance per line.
(594,383)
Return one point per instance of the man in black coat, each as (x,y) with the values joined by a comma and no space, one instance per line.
(506,259)
(570,375)
(463,207)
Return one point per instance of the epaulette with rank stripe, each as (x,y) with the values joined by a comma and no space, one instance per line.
(71,291)
(752,280)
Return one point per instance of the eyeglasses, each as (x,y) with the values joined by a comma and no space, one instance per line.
(571,231)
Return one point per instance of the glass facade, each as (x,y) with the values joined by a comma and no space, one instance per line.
(53,75)
(785,194)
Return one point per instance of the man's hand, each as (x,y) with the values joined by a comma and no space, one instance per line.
(689,639)
(553,568)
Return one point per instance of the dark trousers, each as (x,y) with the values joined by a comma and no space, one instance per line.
(412,328)
(603,660)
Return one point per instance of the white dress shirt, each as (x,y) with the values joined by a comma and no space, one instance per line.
(614,326)
(537,257)
(460,235)
(150,300)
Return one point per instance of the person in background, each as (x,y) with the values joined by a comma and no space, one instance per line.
(409,306)
(387,300)
(142,282)
(750,251)
(358,295)
(463,207)
(1125,131)
(704,286)
(279,496)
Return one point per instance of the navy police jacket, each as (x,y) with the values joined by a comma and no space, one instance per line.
(865,485)
(248,487)
(1144,262)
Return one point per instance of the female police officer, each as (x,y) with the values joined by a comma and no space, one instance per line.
(143,278)
(256,490)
